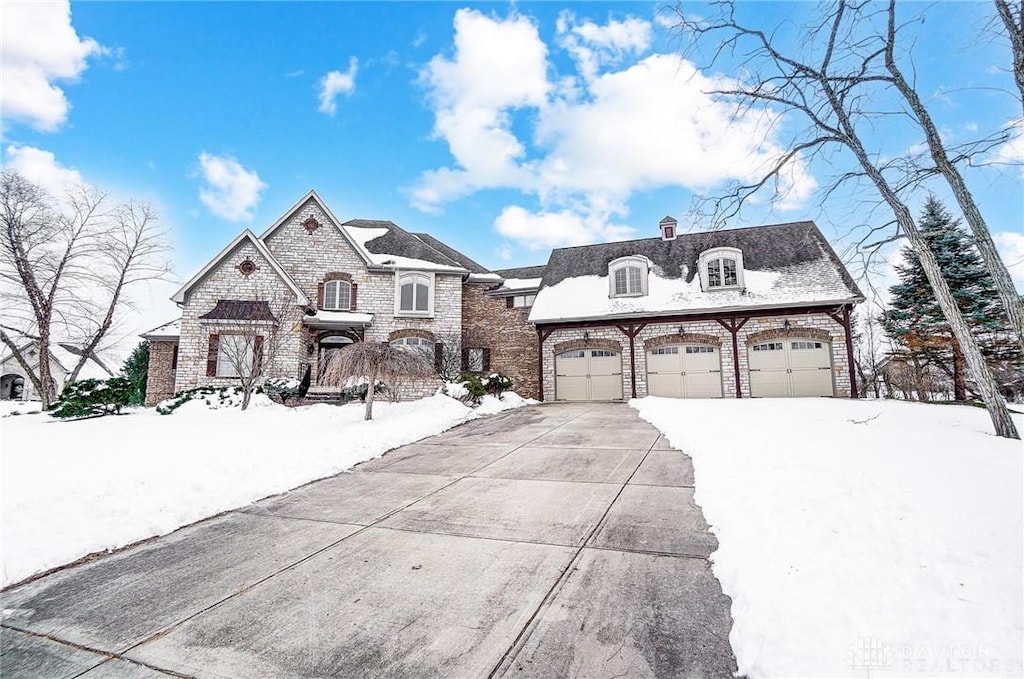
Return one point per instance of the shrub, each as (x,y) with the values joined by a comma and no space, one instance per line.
(473,389)
(215,397)
(280,389)
(93,398)
(496,384)
(136,370)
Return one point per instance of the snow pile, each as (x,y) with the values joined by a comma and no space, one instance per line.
(490,405)
(8,408)
(859,538)
(72,488)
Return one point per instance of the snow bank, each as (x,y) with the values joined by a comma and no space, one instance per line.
(72,488)
(19,407)
(870,538)
(490,405)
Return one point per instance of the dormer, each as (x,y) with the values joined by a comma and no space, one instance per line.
(721,269)
(627,276)
(669,228)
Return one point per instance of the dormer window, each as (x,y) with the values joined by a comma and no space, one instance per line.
(721,268)
(627,277)
(669,227)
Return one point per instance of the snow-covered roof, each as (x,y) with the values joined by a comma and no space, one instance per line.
(385,244)
(261,247)
(784,265)
(518,280)
(337,319)
(168,331)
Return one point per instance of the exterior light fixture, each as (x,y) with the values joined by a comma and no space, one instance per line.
(586,335)
(681,330)
(785,324)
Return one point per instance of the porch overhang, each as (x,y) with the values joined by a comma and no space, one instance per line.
(337,320)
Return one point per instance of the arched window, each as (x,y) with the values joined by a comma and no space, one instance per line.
(414,294)
(419,344)
(627,277)
(721,268)
(337,296)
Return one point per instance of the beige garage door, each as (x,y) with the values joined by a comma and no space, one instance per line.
(685,371)
(588,375)
(790,367)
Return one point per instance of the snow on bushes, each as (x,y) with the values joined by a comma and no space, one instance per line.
(209,398)
(93,398)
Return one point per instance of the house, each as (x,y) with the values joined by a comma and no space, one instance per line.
(748,312)
(16,385)
(760,311)
(326,284)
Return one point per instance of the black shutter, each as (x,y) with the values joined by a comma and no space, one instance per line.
(355,287)
(438,356)
(211,355)
(465,359)
(320,295)
(487,359)
(509,302)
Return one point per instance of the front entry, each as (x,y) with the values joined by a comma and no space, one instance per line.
(327,348)
(685,371)
(790,367)
(588,375)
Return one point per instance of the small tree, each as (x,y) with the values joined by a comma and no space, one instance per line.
(915,321)
(248,344)
(373,362)
(136,371)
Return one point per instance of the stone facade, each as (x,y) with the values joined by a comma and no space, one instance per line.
(162,367)
(814,325)
(487,322)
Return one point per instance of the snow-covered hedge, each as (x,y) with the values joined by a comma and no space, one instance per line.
(93,398)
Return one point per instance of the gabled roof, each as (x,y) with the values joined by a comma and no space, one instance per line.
(388,245)
(240,310)
(261,247)
(536,271)
(312,195)
(452,254)
(788,264)
(168,331)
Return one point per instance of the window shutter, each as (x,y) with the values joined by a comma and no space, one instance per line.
(211,355)
(355,287)
(465,358)
(509,303)
(438,356)
(320,295)
(487,359)
(174,358)
(257,354)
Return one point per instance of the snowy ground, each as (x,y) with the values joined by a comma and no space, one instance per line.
(72,488)
(20,407)
(870,538)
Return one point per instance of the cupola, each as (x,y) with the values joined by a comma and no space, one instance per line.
(668,227)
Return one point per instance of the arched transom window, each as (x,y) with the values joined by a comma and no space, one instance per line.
(337,296)
(627,277)
(414,294)
(721,268)
(421,345)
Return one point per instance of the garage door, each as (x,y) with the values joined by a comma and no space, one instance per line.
(588,375)
(685,371)
(790,367)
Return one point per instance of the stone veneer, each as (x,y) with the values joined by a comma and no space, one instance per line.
(160,376)
(819,326)
(487,322)
(308,257)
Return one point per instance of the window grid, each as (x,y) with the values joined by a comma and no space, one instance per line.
(337,296)
(475,360)
(806,345)
(768,346)
(666,350)
(523,300)
(700,350)
(597,353)
(715,273)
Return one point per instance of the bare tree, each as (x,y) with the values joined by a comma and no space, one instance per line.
(65,267)
(830,91)
(453,356)
(248,344)
(374,362)
(1012,16)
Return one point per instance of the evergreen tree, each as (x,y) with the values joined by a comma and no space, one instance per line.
(136,370)
(916,323)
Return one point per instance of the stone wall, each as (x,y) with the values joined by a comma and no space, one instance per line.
(160,376)
(488,323)
(817,325)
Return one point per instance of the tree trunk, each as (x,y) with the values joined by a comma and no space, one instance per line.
(246,396)
(919,383)
(1015,32)
(369,395)
(959,383)
(982,237)
(46,386)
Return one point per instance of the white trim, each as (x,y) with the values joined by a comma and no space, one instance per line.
(315,197)
(639,261)
(722,310)
(720,253)
(431,293)
(261,247)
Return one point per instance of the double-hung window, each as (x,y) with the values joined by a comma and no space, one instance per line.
(234,355)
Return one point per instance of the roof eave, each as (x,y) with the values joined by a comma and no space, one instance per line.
(724,310)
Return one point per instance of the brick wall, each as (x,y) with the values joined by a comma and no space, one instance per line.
(487,322)
(818,325)
(160,378)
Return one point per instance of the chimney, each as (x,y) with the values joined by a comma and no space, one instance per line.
(668,228)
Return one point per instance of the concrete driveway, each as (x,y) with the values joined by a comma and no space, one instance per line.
(550,541)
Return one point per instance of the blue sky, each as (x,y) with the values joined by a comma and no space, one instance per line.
(503,129)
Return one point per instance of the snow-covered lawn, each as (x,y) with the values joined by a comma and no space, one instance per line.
(869,538)
(21,407)
(73,488)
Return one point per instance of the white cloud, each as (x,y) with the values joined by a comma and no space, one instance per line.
(42,168)
(583,144)
(40,48)
(335,83)
(1011,247)
(230,190)
(543,230)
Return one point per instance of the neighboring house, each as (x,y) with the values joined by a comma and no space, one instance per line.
(16,385)
(761,311)
(749,312)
